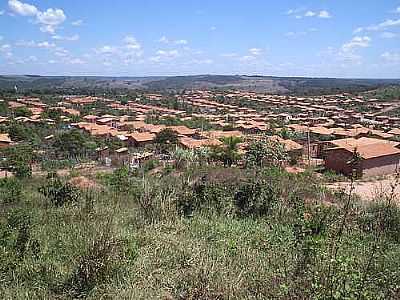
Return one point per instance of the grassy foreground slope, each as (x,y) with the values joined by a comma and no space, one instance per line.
(213,233)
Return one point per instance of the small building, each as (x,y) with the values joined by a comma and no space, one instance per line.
(375,157)
(5,140)
(189,143)
(121,156)
(294,150)
(140,139)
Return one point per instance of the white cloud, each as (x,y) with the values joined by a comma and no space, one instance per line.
(247,58)
(6,51)
(347,55)
(398,10)
(106,50)
(1,38)
(168,53)
(32,58)
(1,12)
(253,55)
(181,42)
(213,28)
(381,26)
(385,24)
(349,58)
(77,23)
(76,61)
(128,52)
(45,44)
(5,48)
(164,55)
(203,61)
(296,11)
(23,9)
(48,20)
(164,39)
(356,42)
(293,34)
(324,14)
(71,38)
(310,14)
(388,35)
(391,57)
(60,52)
(255,51)
(229,55)
(52,61)
(33,44)
(132,43)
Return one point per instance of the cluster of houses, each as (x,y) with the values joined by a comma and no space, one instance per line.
(328,129)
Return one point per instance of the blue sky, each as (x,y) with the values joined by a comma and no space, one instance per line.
(319,38)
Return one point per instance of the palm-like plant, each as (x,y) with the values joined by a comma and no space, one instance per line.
(230,150)
(183,157)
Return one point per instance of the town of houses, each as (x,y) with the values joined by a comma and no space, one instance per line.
(322,131)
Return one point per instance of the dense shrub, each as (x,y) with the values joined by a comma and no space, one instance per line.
(256,199)
(22,170)
(95,267)
(58,192)
(383,219)
(10,190)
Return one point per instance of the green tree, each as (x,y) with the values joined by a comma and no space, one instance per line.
(227,153)
(275,153)
(71,143)
(58,192)
(10,190)
(18,159)
(256,154)
(20,132)
(166,136)
(22,112)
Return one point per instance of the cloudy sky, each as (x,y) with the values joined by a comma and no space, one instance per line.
(321,38)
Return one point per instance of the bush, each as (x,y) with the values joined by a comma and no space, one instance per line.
(51,165)
(150,165)
(119,180)
(58,192)
(16,236)
(331,176)
(255,199)
(95,267)
(22,170)
(10,190)
(383,219)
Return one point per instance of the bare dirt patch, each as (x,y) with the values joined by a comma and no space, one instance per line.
(370,190)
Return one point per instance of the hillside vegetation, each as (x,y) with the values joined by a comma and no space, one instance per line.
(267,84)
(198,232)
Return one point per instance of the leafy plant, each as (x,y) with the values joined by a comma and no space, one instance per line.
(58,192)
(10,190)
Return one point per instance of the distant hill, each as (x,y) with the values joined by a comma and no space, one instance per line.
(268,84)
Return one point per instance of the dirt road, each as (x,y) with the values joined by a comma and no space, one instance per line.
(370,190)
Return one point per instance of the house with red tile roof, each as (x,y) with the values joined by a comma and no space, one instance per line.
(374,157)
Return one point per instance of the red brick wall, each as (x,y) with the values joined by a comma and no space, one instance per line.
(384,165)
(337,160)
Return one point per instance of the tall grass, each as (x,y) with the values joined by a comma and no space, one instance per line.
(213,233)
